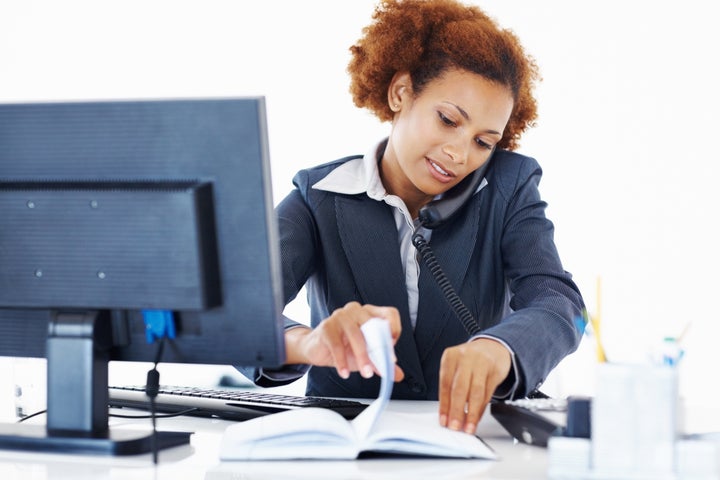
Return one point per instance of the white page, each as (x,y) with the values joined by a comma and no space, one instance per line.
(380,349)
(300,433)
(412,434)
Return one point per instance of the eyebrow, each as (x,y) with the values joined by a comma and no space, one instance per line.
(467,117)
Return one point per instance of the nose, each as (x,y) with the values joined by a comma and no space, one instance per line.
(457,150)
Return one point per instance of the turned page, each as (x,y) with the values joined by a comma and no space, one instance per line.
(380,348)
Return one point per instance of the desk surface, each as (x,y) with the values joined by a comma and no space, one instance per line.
(200,460)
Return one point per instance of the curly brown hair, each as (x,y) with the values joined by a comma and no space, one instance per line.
(428,37)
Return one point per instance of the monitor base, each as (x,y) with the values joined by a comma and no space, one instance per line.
(35,438)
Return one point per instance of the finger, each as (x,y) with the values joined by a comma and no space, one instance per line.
(399,374)
(342,336)
(358,348)
(458,399)
(339,360)
(478,399)
(448,364)
(333,341)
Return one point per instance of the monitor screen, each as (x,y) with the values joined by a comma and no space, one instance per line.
(124,222)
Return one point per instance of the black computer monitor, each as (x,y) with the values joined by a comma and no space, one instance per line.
(124,222)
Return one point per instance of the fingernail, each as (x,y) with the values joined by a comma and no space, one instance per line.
(455,425)
(470,428)
(345,373)
(443,420)
(367,371)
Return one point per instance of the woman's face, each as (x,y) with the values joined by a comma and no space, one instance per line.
(443,134)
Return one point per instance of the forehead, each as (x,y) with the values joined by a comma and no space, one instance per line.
(475,94)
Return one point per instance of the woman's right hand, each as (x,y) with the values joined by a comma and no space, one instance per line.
(338,341)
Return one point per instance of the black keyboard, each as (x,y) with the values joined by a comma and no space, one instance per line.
(225,403)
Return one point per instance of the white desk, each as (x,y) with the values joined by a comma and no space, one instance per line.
(199,460)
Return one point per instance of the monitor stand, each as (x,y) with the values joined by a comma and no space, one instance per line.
(77,355)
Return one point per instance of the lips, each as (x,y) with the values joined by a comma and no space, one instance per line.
(438,172)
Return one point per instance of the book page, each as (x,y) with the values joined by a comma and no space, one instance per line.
(301,433)
(380,348)
(412,434)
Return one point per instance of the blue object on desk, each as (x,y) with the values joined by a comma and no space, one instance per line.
(158,324)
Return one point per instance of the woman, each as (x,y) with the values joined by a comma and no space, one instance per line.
(457,91)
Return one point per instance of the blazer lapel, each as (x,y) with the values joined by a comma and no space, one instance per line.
(369,239)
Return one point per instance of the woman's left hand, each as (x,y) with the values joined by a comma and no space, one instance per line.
(469,375)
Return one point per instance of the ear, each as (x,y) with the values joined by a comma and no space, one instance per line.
(399,91)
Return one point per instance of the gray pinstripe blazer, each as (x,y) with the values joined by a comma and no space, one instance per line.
(498,253)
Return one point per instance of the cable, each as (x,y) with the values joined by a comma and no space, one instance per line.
(180,413)
(461,311)
(161,415)
(152,387)
(28,417)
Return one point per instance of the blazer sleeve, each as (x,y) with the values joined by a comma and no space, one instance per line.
(298,240)
(545,302)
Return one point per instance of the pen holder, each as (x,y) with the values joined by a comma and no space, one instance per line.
(634,420)
(29,384)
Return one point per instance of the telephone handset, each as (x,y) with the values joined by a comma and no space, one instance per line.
(439,211)
(432,216)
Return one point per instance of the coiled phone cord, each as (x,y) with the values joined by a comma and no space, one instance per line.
(461,311)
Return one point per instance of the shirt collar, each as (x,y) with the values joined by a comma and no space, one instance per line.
(360,175)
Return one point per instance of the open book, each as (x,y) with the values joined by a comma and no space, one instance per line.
(317,433)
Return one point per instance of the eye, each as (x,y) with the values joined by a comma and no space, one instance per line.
(446,120)
(483,144)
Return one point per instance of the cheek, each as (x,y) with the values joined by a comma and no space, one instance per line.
(412,139)
(415,137)
(404,139)
(422,130)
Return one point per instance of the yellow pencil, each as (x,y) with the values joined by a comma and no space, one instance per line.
(595,322)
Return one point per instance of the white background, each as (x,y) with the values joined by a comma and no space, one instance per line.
(626,133)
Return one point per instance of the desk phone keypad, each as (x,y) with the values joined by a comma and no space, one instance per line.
(541,404)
